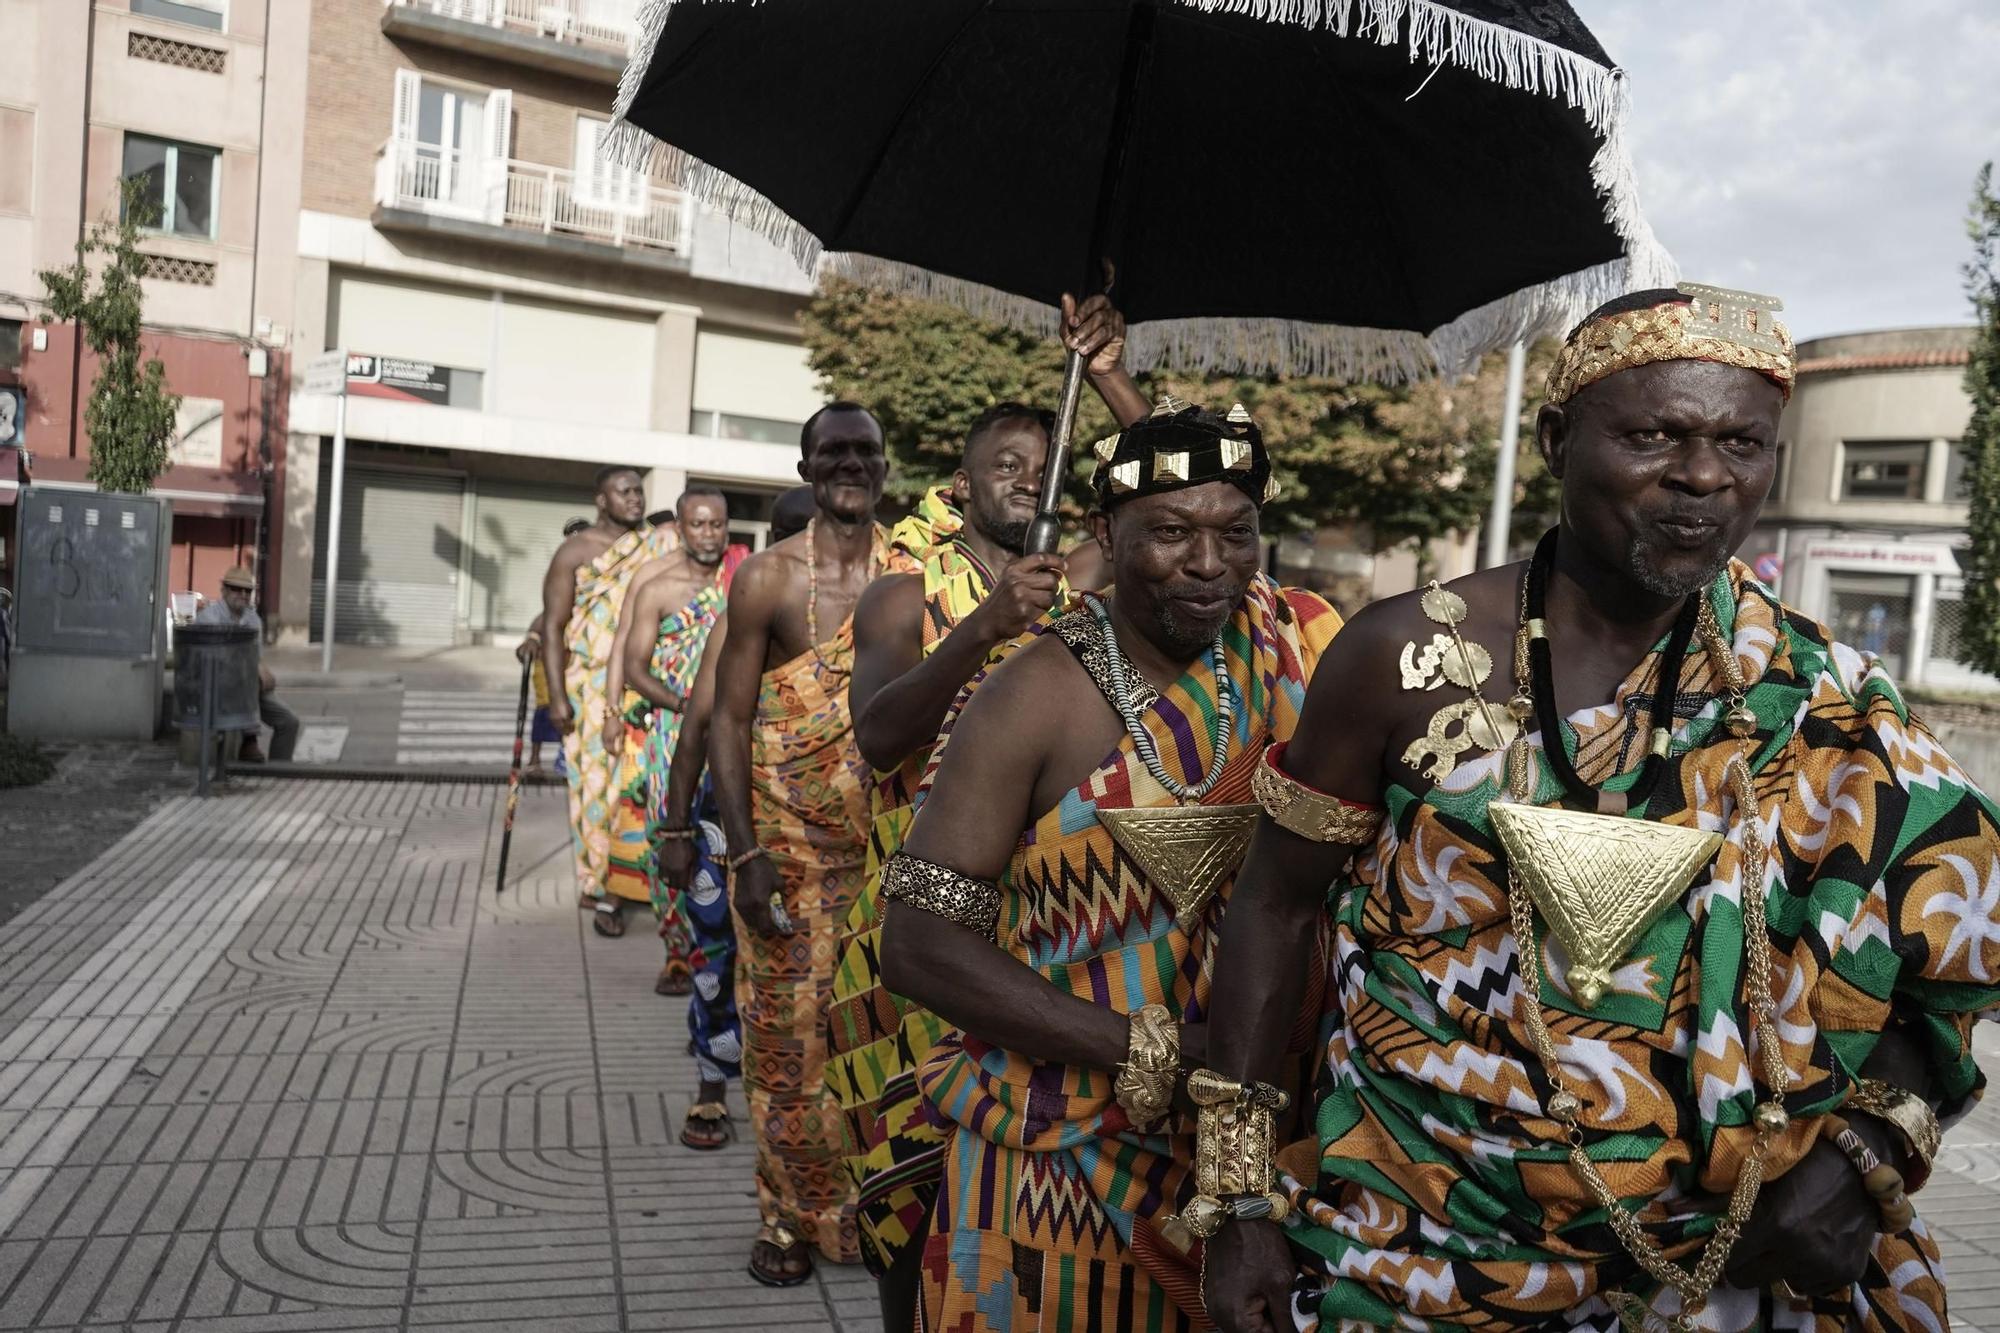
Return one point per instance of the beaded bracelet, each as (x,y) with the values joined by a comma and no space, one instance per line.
(677,833)
(1883,1182)
(736,863)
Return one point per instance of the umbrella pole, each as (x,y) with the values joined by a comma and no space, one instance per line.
(1046,530)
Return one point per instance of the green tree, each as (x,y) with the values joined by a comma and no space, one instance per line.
(130,416)
(1408,463)
(1980,639)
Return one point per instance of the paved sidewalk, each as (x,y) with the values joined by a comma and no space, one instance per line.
(282,1060)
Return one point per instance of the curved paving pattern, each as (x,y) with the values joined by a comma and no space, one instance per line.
(282,1061)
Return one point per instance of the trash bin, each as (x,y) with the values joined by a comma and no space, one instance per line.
(228,653)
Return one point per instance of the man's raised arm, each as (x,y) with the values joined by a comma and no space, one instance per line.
(899,696)
(969,825)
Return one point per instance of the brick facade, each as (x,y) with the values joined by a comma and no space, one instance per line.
(352,83)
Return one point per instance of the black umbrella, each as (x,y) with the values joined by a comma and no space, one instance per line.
(1361,188)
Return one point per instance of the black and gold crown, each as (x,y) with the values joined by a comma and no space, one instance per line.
(1181,445)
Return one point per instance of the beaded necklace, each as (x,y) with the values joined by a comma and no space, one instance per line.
(1142,740)
(812,579)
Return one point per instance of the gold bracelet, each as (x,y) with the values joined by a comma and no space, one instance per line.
(942,891)
(1311,814)
(1205,1214)
(1910,1116)
(1234,1150)
(1145,1082)
(677,834)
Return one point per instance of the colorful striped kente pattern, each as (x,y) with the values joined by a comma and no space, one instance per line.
(1444,1199)
(877,1041)
(1049,1214)
(809,808)
(593,624)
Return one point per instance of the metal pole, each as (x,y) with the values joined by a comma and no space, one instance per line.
(333,535)
(1046,531)
(1500,521)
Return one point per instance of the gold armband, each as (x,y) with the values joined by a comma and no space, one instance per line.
(1910,1116)
(1145,1082)
(1235,1152)
(941,891)
(1311,814)
(1208,1088)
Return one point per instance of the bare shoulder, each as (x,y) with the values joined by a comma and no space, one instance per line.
(580,548)
(1037,677)
(890,602)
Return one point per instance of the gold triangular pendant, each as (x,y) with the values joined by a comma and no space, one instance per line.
(1600,880)
(1187,850)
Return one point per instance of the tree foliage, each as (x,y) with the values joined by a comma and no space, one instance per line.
(1980,638)
(1403,464)
(130,416)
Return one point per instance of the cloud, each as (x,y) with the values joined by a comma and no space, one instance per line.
(1822,151)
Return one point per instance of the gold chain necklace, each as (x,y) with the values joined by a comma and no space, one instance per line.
(1565,1107)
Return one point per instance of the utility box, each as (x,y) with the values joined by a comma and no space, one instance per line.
(89,615)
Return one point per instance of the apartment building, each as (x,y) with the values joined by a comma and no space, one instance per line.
(1867,516)
(516,314)
(182,97)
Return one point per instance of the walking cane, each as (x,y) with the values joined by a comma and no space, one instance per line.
(514,775)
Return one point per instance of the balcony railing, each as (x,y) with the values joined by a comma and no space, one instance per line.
(530,197)
(610,24)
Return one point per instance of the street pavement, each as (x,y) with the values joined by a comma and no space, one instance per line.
(283,1060)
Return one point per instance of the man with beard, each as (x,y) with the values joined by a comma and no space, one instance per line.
(793,793)
(669,610)
(1058,896)
(918,638)
(581,596)
(1654,977)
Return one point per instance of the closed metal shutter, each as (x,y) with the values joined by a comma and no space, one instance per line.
(516,528)
(399,551)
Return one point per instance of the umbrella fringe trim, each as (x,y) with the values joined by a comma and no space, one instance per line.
(1251,345)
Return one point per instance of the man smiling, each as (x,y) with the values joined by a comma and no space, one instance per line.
(1659,923)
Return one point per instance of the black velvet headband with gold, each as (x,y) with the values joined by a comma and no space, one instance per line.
(1179,446)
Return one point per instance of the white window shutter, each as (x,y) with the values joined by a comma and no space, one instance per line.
(499,146)
(403,119)
(589,173)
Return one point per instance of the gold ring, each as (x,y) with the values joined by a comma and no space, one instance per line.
(1783,1291)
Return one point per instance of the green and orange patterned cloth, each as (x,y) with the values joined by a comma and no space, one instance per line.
(1051,1204)
(1444,1199)
(646,759)
(809,808)
(593,623)
(877,1041)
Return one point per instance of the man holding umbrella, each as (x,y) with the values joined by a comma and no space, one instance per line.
(1654,978)
(1060,906)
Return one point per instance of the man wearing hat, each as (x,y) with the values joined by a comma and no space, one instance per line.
(239,585)
(1059,893)
(1660,923)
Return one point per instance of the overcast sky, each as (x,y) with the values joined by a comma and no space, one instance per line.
(1821,151)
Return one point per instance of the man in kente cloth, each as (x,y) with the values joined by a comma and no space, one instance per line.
(1058,896)
(581,596)
(695,870)
(669,610)
(918,638)
(1646,893)
(793,792)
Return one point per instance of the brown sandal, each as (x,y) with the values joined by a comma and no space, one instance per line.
(721,1131)
(608,918)
(782,1241)
(676,979)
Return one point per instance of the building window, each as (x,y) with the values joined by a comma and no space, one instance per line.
(1872,613)
(450,144)
(195,13)
(177,184)
(731,426)
(1884,471)
(1947,629)
(1956,481)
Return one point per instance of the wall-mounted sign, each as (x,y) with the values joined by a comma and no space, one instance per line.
(197,433)
(396,377)
(1903,557)
(13,417)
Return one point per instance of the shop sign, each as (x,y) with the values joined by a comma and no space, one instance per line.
(397,377)
(1902,557)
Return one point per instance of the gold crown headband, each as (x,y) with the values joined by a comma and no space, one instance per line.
(1715,324)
